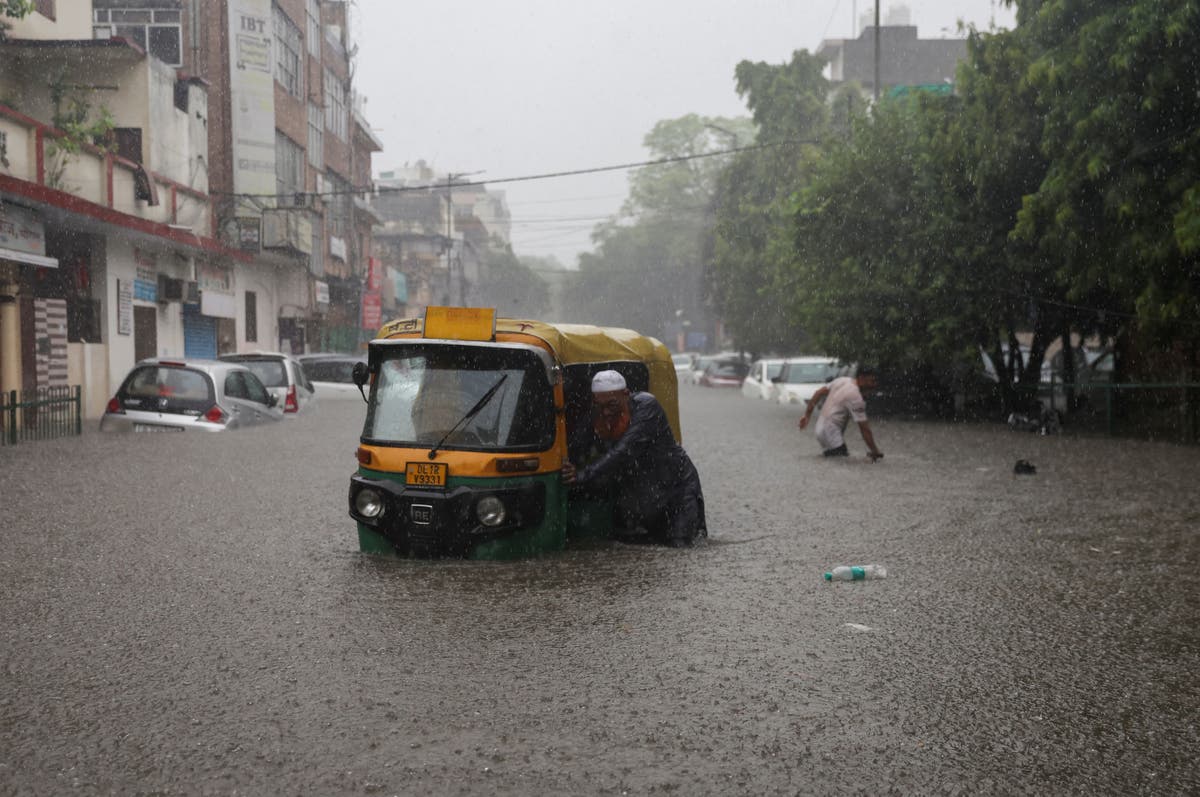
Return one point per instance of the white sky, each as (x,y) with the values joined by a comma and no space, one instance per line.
(527,87)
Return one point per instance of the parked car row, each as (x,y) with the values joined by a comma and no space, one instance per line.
(786,380)
(168,394)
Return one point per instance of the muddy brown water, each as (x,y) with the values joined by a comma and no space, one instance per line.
(192,616)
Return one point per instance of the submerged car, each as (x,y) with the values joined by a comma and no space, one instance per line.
(282,375)
(332,376)
(177,395)
(759,382)
(801,377)
(724,373)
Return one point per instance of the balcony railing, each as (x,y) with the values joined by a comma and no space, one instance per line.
(28,152)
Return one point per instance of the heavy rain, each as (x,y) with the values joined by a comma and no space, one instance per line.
(825,422)
(191,614)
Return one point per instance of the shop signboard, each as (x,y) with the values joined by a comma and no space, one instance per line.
(252,90)
(124,307)
(372,310)
(23,237)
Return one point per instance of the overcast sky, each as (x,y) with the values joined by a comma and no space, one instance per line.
(528,87)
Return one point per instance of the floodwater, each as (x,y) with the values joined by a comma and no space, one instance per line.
(192,616)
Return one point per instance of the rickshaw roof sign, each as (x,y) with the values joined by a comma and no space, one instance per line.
(460,323)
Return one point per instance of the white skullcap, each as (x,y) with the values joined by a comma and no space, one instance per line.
(607,381)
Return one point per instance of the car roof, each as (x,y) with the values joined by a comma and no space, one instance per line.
(196,363)
(809,360)
(255,355)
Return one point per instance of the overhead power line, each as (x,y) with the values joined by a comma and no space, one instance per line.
(376,189)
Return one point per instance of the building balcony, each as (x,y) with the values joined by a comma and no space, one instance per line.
(35,165)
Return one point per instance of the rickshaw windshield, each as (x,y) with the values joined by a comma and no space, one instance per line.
(422,392)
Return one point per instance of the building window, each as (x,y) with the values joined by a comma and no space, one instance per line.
(316,261)
(157,31)
(289,169)
(287,53)
(335,105)
(251,317)
(316,137)
(337,214)
(313,12)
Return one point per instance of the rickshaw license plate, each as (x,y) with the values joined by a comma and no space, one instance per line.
(425,474)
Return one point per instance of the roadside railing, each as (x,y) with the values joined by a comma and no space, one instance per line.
(1169,410)
(41,414)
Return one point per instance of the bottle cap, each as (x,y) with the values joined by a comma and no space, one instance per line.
(829,576)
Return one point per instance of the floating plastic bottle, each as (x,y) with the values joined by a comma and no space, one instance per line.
(856,572)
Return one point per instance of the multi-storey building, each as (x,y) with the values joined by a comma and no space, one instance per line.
(905,60)
(107,233)
(291,158)
(181,178)
(437,230)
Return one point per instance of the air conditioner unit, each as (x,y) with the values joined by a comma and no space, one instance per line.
(287,228)
(169,289)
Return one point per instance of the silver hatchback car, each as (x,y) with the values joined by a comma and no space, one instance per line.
(175,395)
(283,376)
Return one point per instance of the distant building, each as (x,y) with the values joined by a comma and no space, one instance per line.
(436,232)
(905,60)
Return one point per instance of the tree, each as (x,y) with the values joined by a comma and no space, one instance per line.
(649,264)
(752,252)
(1119,208)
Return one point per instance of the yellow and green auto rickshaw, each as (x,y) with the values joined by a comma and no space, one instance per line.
(468,422)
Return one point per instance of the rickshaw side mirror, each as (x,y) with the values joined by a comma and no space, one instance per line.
(360,375)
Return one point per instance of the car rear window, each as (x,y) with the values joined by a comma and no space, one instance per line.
(330,371)
(167,388)
(271,373)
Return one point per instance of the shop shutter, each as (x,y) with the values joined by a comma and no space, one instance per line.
(199,334)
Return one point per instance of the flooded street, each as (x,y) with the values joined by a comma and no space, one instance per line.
(187,615)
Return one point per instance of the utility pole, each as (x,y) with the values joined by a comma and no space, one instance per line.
(450,178)
(876,51)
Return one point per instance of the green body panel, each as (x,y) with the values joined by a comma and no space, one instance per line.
(549,535)
(579,518)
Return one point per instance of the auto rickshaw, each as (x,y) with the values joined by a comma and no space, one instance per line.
(469,420)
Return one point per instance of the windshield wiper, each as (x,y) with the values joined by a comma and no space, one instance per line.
(471,413)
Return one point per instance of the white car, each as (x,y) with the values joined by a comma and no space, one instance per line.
(800,377)
(683,366)
(332,377)
(758,383)
(283,376)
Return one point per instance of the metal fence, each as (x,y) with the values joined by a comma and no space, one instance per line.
(1154,410)
(41,414)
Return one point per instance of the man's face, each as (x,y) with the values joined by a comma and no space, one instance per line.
(611,405)
(866,383)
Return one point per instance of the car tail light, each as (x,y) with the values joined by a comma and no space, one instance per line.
(216,415)
(114,406)
(290,404)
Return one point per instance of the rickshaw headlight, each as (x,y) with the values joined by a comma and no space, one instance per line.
(368,503)
(490,510)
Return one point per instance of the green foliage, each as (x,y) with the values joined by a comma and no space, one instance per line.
(77,127)
(752,271)
(648,268)
(1118,207)
(14,9)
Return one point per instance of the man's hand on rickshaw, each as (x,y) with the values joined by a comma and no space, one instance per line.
(568,472)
